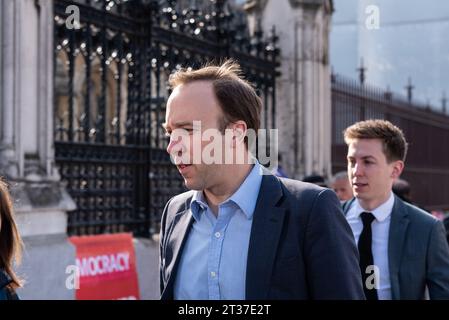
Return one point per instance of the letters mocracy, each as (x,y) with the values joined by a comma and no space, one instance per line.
(103,264)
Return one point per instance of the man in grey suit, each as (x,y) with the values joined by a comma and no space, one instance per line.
(242,233)
(402,248)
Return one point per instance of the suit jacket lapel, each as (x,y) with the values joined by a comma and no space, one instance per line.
(347,205)
(398,230)
(180,225)
(265,233)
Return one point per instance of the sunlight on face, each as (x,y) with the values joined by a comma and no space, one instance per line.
(370,175)
(189,104)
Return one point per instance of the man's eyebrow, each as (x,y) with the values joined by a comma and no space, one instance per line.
(183,124)
(364,157)
(178,124)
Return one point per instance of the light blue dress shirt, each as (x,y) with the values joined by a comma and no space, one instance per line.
(213,262)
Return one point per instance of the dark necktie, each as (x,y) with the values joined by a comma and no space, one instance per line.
(366,255)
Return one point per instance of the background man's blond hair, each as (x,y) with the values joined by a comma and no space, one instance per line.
(393,140)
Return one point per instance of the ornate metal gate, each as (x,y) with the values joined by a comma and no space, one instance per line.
(110,90)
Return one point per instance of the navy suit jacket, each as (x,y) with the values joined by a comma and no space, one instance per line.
(301,246)
(418,253)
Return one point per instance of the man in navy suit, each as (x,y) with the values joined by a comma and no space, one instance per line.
(242,233)
(402,248)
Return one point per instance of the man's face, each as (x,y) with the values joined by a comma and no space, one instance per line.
(191,102)
(370,174)
(342,188)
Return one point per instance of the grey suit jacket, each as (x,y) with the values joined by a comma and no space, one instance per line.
(418,253)
(301,246)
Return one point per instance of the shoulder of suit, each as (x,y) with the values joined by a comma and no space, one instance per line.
(418,214)
(347,205)
(292,185)
(300,188)
(180,202)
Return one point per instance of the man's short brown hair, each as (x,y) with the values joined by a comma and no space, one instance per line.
(393,140)
(237,98)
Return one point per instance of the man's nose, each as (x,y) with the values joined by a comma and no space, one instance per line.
(357,170)
(174,146)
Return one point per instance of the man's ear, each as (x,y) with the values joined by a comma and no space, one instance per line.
(239,132)
(398,167)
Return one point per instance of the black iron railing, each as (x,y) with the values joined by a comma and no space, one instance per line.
(110,93)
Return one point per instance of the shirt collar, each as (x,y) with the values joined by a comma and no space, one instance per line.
(198,204)
(382,212)
(245,197)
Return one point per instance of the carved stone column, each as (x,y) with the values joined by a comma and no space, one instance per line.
(303,90)
(26,131)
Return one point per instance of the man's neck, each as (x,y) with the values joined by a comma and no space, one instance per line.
(370,205)
(235,175)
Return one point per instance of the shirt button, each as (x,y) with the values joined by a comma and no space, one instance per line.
(217,234)
(213,274)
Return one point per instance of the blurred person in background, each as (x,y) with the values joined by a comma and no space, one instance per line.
(279,170)
(402,189)
(341,185)
(315,179)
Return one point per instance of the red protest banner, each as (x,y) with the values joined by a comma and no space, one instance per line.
(107,267)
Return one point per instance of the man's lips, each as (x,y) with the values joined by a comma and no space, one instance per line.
(183,167)
(359,184)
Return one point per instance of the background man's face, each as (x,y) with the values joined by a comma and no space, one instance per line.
(370,174)
(195,101)
(343,189)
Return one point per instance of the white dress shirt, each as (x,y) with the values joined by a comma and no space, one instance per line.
(380,231)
